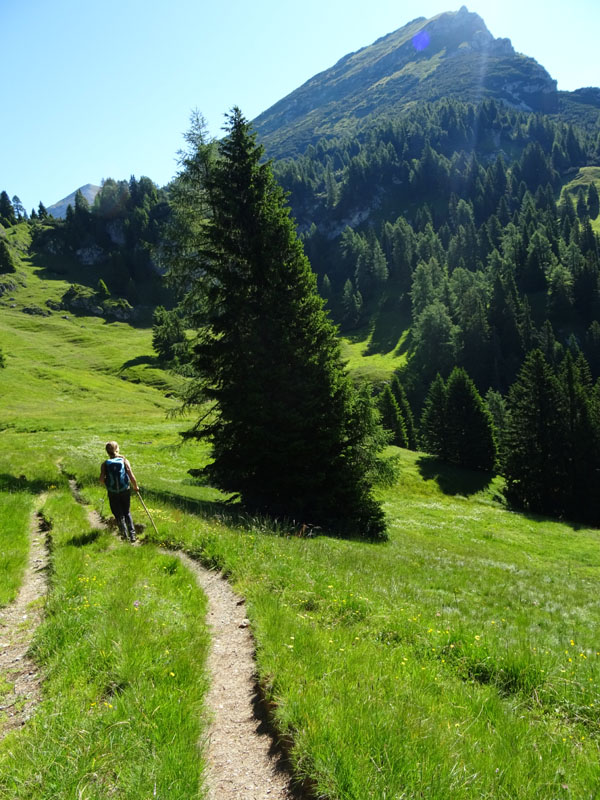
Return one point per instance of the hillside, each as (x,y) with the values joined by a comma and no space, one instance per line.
(451,55)
(458,660)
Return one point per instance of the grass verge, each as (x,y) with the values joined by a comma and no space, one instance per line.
(122,651)
(458,660)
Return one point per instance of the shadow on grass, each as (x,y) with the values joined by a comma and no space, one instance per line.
(84,538)
(234,514)
(390,323)
(20,483)
(453,480)
(150,361)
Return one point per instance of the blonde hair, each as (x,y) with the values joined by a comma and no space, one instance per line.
(112,448)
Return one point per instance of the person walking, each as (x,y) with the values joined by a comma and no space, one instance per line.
(116,474)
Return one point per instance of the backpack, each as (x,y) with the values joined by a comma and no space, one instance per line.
(115,474)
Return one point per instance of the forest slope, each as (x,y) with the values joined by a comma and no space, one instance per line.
(457,660)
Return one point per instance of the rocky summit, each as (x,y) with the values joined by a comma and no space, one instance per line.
(450,55)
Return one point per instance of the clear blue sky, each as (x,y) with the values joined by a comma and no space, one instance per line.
(93,89)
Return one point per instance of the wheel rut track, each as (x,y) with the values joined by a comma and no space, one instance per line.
(243,759)
(18,623)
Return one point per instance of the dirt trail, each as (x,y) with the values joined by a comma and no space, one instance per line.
(242,764)
(242,759)
(18,622)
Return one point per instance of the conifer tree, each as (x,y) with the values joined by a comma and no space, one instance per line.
(593,201)
(7,212)
(391,418)
(168,335)
(7,262)
(469,429)
(289,433)
(583,433)
(536,439)
(433,419)
(406,411)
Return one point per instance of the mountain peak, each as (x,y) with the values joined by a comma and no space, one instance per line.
(452,54)
(59,209)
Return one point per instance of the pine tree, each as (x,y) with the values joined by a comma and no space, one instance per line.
(7,212)
(583,449)
(19,207)
(289,433)
(593,201)
(391,418)
(7,262)
(469,430)
(406,411)
(536,439)
(168,335)
(434,418)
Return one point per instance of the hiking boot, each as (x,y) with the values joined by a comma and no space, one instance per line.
(132,537)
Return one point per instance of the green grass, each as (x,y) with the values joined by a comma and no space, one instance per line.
(584,177)
(374,353)
(15,510)
(121,650)
(460,659)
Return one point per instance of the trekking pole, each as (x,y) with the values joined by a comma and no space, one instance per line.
(147,512)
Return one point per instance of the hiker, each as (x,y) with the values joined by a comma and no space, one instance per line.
(116,475)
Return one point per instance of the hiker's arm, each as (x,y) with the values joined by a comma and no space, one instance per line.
(131,476)
(102,474)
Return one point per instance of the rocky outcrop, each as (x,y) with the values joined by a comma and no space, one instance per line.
(116,232)
(90,256)
(7,285)
(36,311)
(85,300)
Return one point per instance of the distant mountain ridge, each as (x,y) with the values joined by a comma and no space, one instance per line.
(450,55)
(59,209)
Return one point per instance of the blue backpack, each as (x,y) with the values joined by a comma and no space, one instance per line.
(117,479)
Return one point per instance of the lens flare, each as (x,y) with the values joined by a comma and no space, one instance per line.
(421,41)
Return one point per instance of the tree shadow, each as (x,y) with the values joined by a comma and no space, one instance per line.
(451,479)
(228,511)
(231,512)
(151,361)
(84,538)
(390,322)
(20,483)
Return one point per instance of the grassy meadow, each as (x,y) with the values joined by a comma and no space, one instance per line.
(582,180)
(461,659)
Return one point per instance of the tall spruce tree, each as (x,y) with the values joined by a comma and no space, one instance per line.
(537,447)
(406,411)
(469,429)
(391,418)
(583,431)
(433,419)
(289,433)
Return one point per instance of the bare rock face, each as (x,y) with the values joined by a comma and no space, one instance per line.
(116,232)
(90,256)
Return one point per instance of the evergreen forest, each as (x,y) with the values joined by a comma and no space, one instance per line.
(464,236)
